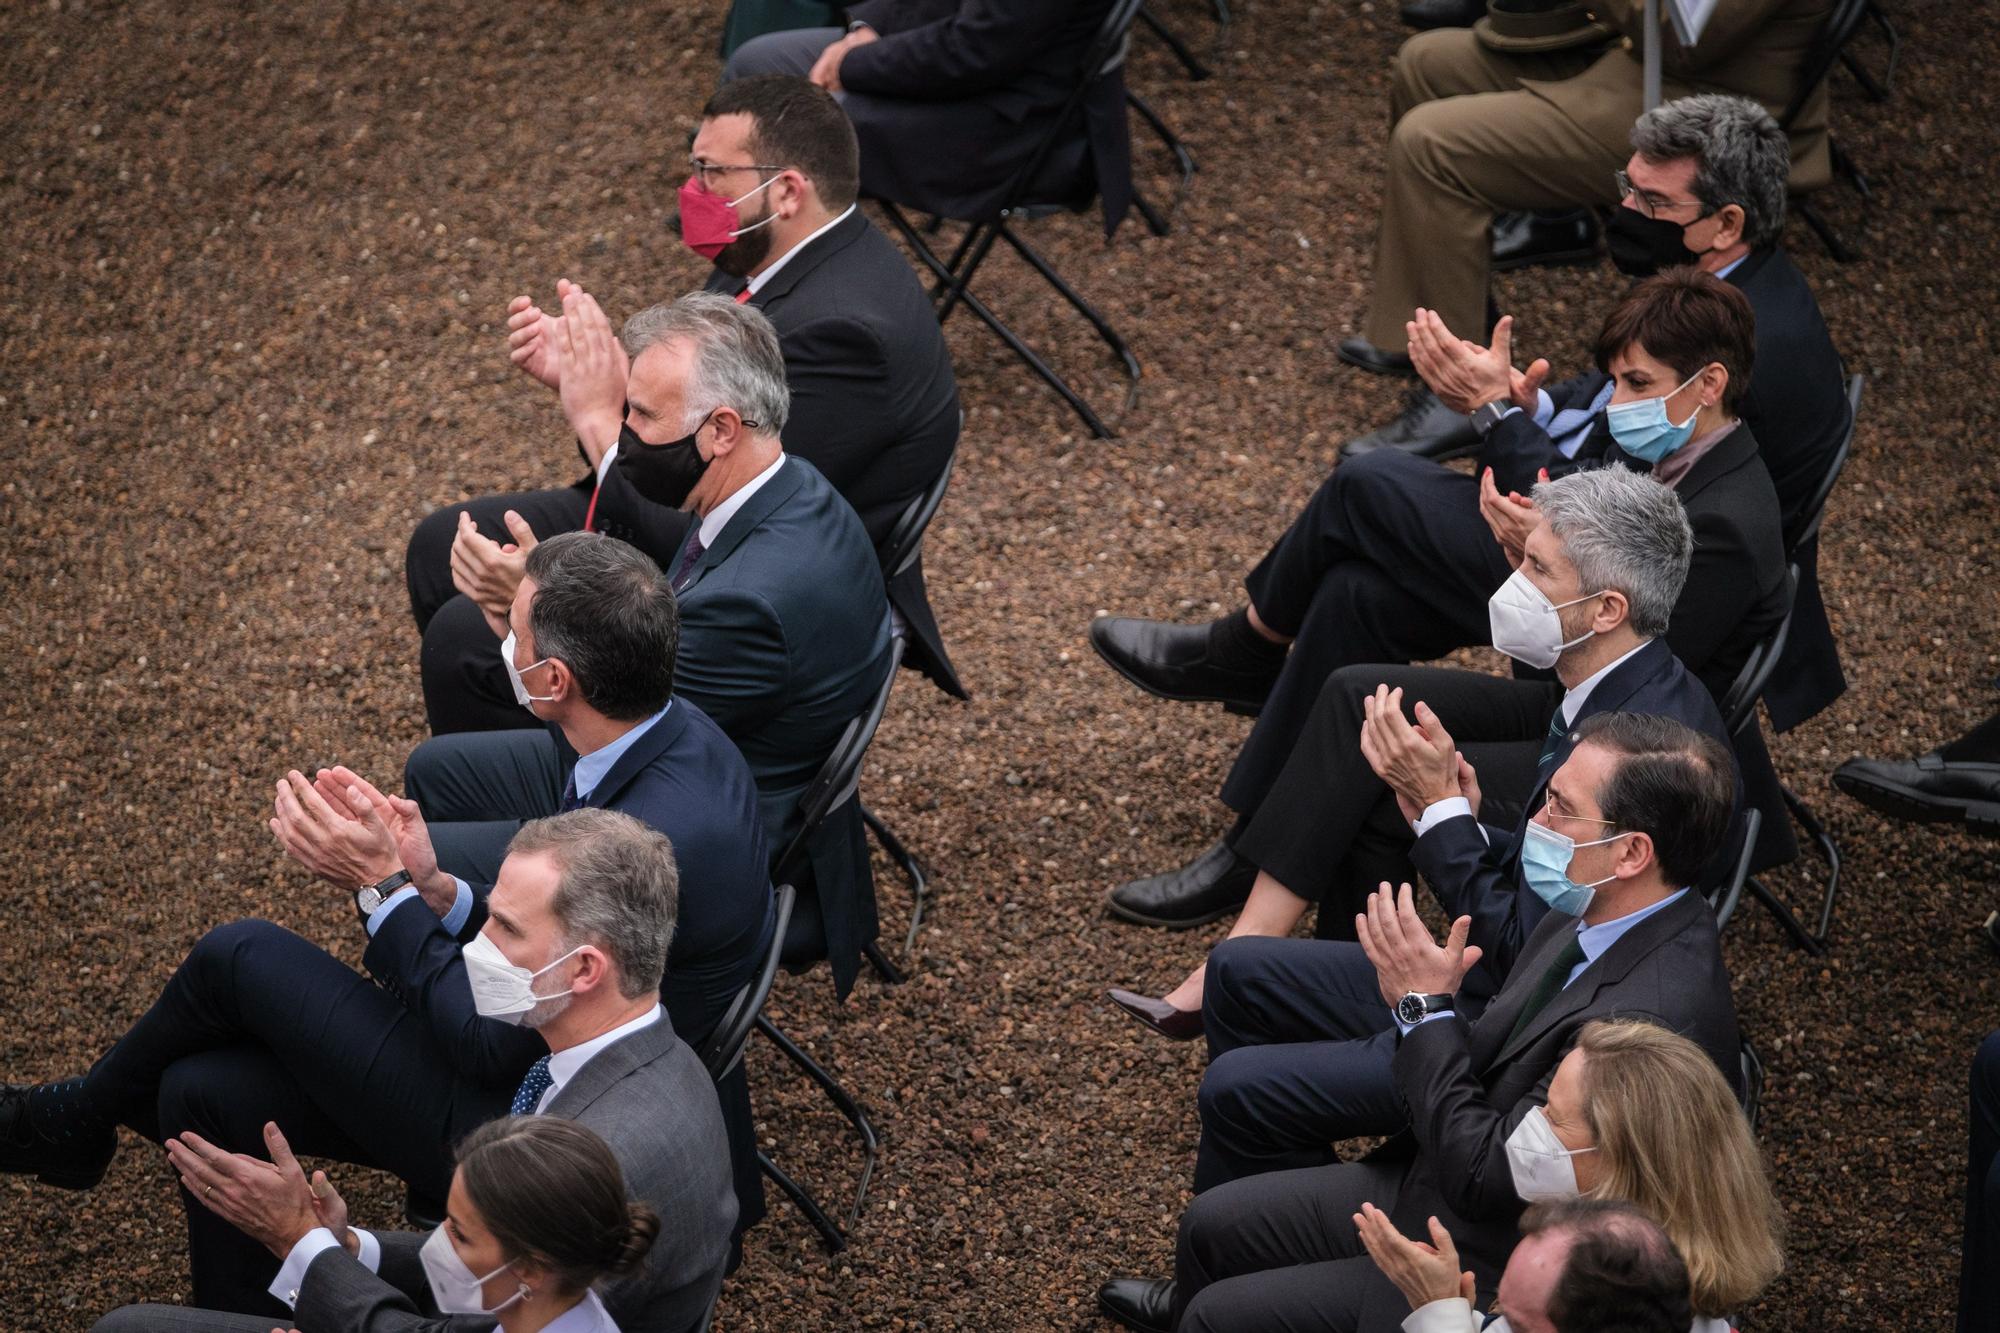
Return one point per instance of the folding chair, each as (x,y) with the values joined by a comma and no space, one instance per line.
(1031,195)
(1878,90)
(1842,22)
(1157,222)
(901,550)
(802,943)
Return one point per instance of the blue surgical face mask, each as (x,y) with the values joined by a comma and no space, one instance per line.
(1644,430)
(1545,858)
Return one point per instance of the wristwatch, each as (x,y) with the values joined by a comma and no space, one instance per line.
(1487,415)
(370,897)
(1413,1008)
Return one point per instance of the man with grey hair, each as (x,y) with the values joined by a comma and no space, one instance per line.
(784,621)
(262,1045)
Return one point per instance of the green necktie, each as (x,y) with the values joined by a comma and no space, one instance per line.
(1552,742)
(1550,984)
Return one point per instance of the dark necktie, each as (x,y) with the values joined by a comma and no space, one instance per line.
(538,1081)
(1551,983)
(570,800)
(1551,743)
(689,554)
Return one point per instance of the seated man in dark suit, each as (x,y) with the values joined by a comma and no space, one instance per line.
(594,634)
(1635,812)
(874,404)
(785,630)
(1386,566)
(984,76)
(553,1009)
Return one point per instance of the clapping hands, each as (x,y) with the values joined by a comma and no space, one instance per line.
(1466,376)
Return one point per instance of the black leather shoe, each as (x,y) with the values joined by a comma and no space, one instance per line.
(1143,1304)
(1172,661)
(1212,885)
(1522,239)
(1358,351)
(1931,790)
(1424,15)
(1426,428)
(73,1159)
(1171,1023)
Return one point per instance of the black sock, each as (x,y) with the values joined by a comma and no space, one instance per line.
(1981,745)
(1235,646)
(60,1111)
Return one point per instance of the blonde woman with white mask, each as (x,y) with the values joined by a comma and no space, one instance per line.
(1635,1114)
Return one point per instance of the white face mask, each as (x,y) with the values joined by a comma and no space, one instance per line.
(1539,1163)
(1525,624)
(521,695)
(453,1285)
(501,989)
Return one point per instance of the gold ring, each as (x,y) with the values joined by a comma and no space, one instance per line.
(207,1190)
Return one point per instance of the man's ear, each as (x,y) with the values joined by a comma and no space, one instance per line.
(1613,610)
(728,430)
(559,681)
(1729,220)
(593,969)
(1635,853)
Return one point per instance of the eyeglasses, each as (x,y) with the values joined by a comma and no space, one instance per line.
(1550,812)
(1649,206)
(706,172)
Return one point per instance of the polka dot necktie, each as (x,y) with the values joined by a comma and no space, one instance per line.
(538,1081)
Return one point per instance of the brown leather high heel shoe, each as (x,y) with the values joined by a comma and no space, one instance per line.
(1171,1023)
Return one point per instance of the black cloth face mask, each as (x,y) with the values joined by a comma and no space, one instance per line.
(662,473)
(1641,246)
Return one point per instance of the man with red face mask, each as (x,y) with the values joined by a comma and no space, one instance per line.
(769,200)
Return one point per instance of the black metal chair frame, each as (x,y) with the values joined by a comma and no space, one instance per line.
(1190,62)
(833,786)
(902,547)
(954,276)
(1843,21)
(1878,90)
(1739,706)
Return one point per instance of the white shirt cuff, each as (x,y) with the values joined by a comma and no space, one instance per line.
(1454,1314)
(1545,408)
(389,904)
(604,463)
(292,1273)
(1451,807)
(461,908)
(371,1250)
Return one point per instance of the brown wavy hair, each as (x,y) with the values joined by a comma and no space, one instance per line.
(550,1189)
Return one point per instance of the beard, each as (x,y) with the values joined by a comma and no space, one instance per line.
(742,256)
(546,1011)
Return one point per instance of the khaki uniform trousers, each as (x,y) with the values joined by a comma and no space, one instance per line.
(1468,140)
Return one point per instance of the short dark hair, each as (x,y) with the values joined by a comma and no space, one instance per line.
(1741,156)
(798,125)
(1622,1275)
(549,1189)
(618,888)
(608,612)
(1687,319)
(1672,783)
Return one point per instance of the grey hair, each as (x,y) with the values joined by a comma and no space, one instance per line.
(1741,156)
(1624,531)
(619,889)
(737,363)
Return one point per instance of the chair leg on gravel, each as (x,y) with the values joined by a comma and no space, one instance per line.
(1196,71)
(829,1234)
(906,861)
(843,1101)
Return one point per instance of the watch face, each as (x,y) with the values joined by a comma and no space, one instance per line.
(368,899)
(1410,1008)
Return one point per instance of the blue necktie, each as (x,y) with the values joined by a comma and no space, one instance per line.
(1551,743)
(570,800)
(538,1081)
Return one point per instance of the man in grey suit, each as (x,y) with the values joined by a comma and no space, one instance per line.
(577,932)
(1636,810)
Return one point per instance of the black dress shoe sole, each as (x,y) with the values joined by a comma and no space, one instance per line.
(1124,1320)
(1238,704)
(1125,913)
(1373,367)
(1551,259)
(1893,798)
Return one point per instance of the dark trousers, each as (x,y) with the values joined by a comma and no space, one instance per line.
(1388,562)
(1330,830)
(1299,1044)
(260,1025)
(475,790)
(1979,1258)
(1279,1253)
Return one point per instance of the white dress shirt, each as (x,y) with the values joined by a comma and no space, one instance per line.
(563,1064)
(756,283)
(1456,1315)
(718,517)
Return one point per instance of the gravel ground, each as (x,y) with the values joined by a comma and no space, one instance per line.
(258,264)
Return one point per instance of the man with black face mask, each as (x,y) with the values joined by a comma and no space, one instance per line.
(769,201)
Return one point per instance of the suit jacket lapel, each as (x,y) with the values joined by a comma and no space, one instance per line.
(602,1071)
(638,756)
(755,510)
(1731,452)
(810,256)
(1489,1033)
(1610,966)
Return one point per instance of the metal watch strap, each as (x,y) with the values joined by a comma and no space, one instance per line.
(1487,415)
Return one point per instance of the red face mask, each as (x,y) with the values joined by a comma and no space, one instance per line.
(709,222)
